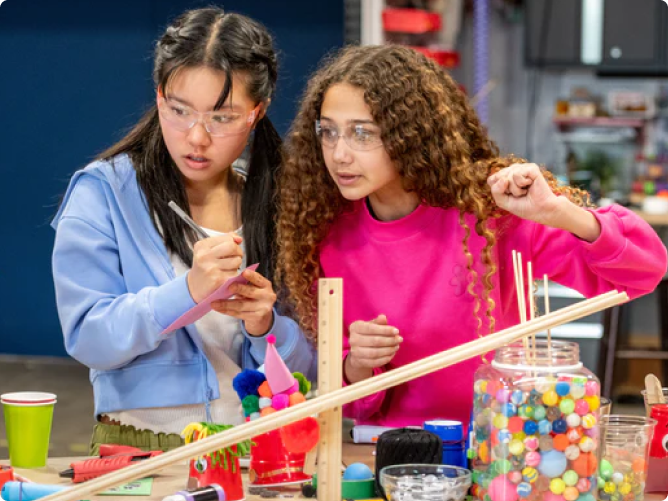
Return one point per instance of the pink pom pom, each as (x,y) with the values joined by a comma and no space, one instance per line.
(279,402)
(294,389)
(271,339)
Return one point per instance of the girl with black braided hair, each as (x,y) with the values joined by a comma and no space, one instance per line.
(125,266)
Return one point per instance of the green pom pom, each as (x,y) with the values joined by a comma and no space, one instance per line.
(304,384)
(250,403)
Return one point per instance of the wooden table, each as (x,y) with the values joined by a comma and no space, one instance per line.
(173,479)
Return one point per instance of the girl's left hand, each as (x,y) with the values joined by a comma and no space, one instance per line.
(522,190)
(253,303)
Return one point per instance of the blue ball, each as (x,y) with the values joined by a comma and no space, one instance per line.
(517,397)
(562,388)
(508,410)
(530,427)
(552,464)
(358,471)
(505,436)
(524,489)
(559,426)
(544,427)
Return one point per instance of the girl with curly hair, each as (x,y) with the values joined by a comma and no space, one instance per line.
(390,182)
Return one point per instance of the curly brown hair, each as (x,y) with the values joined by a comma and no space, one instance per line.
(428,129)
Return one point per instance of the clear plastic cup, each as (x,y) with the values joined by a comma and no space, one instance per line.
(625,442)
(28,417)
(606,405)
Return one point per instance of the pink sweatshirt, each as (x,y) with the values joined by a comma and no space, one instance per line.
(414,271)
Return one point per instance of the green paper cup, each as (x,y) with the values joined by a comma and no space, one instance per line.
(28,417)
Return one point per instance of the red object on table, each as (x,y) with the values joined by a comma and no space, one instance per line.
(657,469)
(6,475)
(112,458)
(271,463)
(659,446)
(204,472)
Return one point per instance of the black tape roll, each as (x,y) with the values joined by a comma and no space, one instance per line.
(406,446)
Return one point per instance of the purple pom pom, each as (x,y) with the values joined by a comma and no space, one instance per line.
(247,382)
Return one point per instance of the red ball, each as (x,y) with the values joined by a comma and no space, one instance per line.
(515,424)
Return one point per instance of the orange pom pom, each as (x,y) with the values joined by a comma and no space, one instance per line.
(266,411)
(296,398)
(264,390)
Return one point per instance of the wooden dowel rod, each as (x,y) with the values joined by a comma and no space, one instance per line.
(532,307)
(518,289)
(546,297)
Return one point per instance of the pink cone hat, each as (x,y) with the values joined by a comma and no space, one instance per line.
(278,376)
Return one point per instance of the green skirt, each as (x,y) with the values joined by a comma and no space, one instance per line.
(128,435)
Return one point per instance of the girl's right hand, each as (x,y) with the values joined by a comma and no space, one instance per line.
(372,344)
(215,260)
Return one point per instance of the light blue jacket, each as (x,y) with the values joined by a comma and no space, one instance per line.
(116,292)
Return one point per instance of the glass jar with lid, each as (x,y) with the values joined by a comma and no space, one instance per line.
(535,425)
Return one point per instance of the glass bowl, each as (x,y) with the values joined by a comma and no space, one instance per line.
(425,482)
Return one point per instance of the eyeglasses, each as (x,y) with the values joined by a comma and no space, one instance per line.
(216,123)
(358,136)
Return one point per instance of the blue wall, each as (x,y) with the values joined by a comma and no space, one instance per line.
(73,76)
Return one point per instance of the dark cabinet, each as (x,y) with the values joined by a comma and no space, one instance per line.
(632,34)
(623,37)
(552,36)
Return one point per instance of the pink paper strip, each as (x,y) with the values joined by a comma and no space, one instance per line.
(204,307)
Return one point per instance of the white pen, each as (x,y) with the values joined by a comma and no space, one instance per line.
(200,232)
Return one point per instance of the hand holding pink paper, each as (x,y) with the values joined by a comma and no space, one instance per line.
(204,307)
